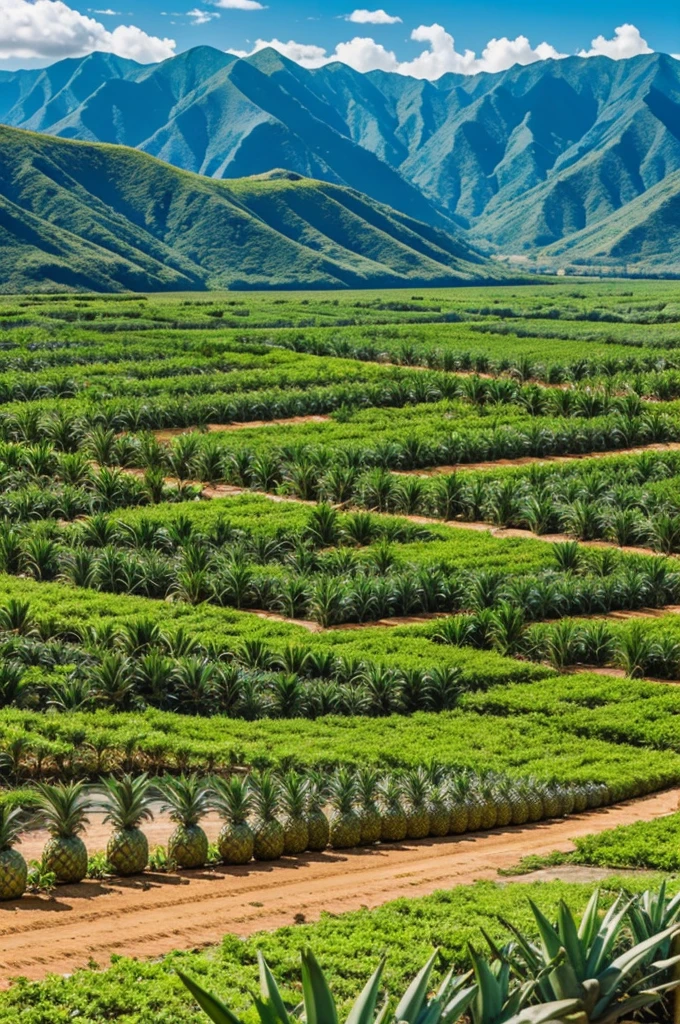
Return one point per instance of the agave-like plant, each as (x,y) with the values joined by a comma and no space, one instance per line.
(582,961)
(188,799)
(63,810)
(416,1006)
(127,803)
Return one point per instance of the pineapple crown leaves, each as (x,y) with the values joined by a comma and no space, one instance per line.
(416,788)
(63,808)
(391,794)
(266,794)
(127,801)
(318,790)
(343,791)
(187,798)
(368,784)
(293,788)
(12,822)
(232,798)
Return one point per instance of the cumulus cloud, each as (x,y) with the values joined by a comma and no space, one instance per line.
(365,54)
(199,17)
(440,56)
(627,42)
(51,29)
(240,5)
(363,17)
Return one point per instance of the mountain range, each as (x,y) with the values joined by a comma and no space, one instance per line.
(537,161)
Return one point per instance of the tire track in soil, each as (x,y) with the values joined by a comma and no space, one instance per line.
(153,914)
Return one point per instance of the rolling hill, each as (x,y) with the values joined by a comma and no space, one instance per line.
(521,158)
(101,217)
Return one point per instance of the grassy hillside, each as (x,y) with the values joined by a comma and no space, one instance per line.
(644,236)
(103,217)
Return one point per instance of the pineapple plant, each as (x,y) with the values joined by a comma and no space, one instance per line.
(368,781)
(488,803)
(317,823)
(440,812)
(580,798)
(293,799)
(394,825)
(501,795)
(530,792)
(568,800)
(416,794)
(62,810)
(552,805)
(232,799)
(127,805)
(518,804)
(13,868)
(268,835)
(459,821)
(345,823)
(187,798)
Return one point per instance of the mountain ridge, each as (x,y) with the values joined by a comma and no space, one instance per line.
(106,217)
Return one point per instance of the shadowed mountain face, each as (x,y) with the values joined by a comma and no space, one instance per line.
(100,217)
(522,159)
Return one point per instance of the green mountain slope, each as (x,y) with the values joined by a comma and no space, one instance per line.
(643,237)
(102,217)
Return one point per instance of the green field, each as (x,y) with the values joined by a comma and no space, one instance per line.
(337,604)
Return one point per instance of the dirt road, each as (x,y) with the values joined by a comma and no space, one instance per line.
(153,914)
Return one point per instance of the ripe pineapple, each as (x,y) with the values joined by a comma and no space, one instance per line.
(293,797)
(232,799)
(531,793)
(317,823)
(345,824)
(568,800)
(188,800)
(580,797)
(63,812)
(13,869)
(489,812)
(368,780)
(394,825)
(460,804)
(552,805)
(416,793)
(269,840)
(518,804)
(501,796)
(127,804)
(440,812)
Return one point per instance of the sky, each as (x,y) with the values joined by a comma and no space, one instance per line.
(426,38)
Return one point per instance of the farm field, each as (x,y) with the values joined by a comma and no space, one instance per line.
(382,588)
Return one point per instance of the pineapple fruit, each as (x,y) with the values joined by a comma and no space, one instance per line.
(62,810)
(187,798)
(268,835)
(233,801)
(13,868)
(293,799)
(416,791)
(367,780)
(394,824)
(318,827)
(345,823)
(127,805)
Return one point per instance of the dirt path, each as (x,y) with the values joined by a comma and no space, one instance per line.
(154,914)
(168,433)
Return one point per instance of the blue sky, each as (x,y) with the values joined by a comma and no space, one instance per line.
(424,38)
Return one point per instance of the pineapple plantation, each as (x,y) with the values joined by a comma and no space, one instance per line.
(306,600)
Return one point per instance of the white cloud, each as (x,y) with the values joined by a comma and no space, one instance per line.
(240,5)
(200,17)
(441,57)
(363,17)
(627,42)
(364,54)
(51,29)
(108,12)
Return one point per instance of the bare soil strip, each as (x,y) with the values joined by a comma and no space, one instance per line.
(151,915)
(169,433)
(529,460)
